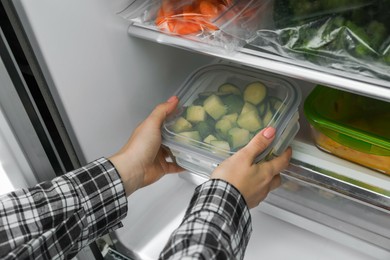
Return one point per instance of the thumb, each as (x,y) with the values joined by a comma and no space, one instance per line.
(160,112)
(258,144)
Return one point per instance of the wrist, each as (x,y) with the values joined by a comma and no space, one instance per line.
(129,172)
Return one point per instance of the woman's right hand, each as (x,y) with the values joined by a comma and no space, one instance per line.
(253,180)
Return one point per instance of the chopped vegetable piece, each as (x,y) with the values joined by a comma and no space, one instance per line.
(209,138)
(263,107)
(209,93)
(181,125)
(196,114)
(204,129)
(255,93)
(229,88)
(232,117)
(214,107)
(267,118)
(250,121)
(223,145)
(233,103)
(223,126)
(191,134)
(198,102)
(238,137)
(277,105)
(248,107)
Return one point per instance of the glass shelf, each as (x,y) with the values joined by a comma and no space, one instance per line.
(375,88)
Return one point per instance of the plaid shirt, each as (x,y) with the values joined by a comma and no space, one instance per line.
(217,225)
(54,220)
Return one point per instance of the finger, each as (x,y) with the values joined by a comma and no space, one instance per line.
(258,143)
(275,182)
(281,162)
(160,113)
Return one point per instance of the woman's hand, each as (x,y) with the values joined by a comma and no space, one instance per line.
(143,160)
(254,181)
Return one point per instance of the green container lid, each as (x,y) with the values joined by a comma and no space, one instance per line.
(355,121)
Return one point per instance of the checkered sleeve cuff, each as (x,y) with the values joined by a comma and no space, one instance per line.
(102,196)
(55,219)
(217,225)
(227,202)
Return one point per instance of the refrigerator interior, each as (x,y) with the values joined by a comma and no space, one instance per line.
(105,82)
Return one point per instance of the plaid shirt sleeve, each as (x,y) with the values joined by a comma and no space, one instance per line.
(55,219)
(217,225)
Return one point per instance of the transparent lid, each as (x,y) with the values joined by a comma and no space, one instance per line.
(223,106)
(358,122)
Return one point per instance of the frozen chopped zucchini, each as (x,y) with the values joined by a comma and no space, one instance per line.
(209,93)
(223,126)
(195,114)
(250,121)
(198,101)
(223,145)
(234,103)
(219,136)
(263,107)
(255,93)
(248,107)
(181,125)
(238,137)
(204,129)
(277,105)
(232,117)
(267,118)
(210,138)
(229,88)
(209,120)
(227,118)
(194,135)
(214,107)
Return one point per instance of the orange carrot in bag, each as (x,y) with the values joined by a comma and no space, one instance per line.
(165,10)
(208,9)
(227,2)
(167,7)
(184,28)
(185,18)
(160,18)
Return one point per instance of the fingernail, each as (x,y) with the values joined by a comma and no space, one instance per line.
(171,99)
(269,132)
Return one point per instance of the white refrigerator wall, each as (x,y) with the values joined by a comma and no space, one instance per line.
(105,83)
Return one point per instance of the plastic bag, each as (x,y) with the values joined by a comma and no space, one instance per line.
(352,36)
(224,23)
(191,17)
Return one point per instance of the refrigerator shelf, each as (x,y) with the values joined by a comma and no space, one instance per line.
(376,88)
(352,202)
(325,173)
(353,213)
(349,180)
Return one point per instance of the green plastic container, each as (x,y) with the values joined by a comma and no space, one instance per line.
(351,126)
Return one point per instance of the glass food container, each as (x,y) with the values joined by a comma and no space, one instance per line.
(353,127)
(222,107)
